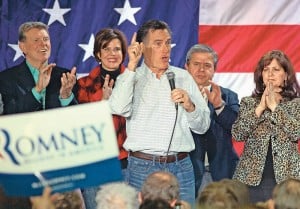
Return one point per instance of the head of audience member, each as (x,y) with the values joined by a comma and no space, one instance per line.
(155,36)
(117,195)
(110,48)
(155,204)
(68,200)
(201,63)
(160,184)
(64,200)
(254,206)
(239,189)
(276,68)
(34,42)
(219,195)
(286,195)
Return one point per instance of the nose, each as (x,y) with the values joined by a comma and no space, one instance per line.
(270,72)
(201,68)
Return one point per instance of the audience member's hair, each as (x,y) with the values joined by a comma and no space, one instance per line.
(162,185)
(117,195)
(253,206)
(286,195)
(239,189)
(218,195)
(155,204)
(68,200)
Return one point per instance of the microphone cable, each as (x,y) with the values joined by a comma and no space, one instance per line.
(171,139)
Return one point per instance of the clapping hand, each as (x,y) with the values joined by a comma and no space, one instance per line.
(107,87)
(215,95)
(270,99)
(68,81)
(44,77)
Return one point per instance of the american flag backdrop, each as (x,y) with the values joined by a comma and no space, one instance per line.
(240,31)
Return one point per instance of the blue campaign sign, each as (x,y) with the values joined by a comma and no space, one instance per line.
(65,148)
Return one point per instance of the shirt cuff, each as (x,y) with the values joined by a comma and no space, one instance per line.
(38,96)
(67,101)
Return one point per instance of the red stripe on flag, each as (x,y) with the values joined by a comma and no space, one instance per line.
(240,46)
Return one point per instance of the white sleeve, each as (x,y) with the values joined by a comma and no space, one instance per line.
(120,101)
(199,119)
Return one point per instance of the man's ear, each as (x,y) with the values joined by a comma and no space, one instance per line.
(22,47)
(186,66)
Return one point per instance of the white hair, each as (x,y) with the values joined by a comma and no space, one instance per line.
(117,195)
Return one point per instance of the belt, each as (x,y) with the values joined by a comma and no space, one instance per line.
(157,158)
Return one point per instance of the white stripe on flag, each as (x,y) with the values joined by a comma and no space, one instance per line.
(249,12)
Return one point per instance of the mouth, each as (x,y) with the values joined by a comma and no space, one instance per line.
(112,60)
(165,59)
(44,50)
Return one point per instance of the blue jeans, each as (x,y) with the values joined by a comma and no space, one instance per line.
(138,170)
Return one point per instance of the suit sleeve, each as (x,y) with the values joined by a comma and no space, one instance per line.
(230,112)
(16,98)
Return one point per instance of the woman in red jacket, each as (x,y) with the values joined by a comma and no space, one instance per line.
(109,50)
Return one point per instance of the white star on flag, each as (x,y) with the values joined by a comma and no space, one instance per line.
(18,51)
(88,48)
(56,13)
(127,13)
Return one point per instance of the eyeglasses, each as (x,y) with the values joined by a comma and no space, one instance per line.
(110,50)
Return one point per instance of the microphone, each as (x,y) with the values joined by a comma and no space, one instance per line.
(171,77)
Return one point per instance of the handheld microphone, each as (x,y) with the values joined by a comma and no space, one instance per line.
(171,78)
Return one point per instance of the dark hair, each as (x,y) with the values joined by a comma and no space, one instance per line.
(155,203)
(151,25)
(28,26)
(104,36)
(202,48)
(291,88)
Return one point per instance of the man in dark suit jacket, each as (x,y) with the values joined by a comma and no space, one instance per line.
(34,84)
(214,154)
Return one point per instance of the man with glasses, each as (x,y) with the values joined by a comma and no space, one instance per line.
(158,135)
(214,157)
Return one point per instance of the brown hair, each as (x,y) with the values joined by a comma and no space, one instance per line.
(104,36)
(291,88)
